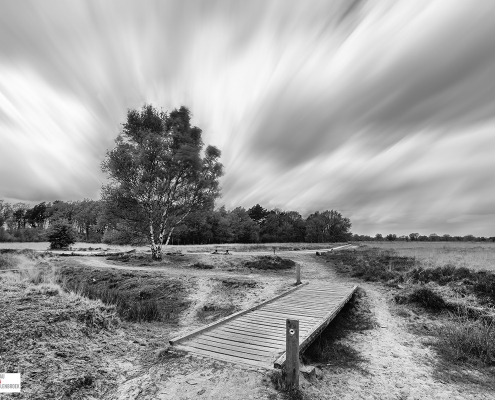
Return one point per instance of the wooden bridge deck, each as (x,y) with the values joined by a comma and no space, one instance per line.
(256,337)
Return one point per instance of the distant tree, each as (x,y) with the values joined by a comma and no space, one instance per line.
(378,237)
(157,174)
(328,226)
(434,237)
(244,229)
(413,236)
(19,215)
(220,226)
(60,211)
(36,216)
(258,213)
(391,237)
(5,211)
(61,236)
(86,214)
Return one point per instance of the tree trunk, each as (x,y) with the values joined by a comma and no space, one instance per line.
(169,236)
(156,252)
(156,248)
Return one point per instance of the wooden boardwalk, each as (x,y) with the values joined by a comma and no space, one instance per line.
(256,337)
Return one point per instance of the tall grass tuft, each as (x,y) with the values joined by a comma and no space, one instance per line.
(465,339)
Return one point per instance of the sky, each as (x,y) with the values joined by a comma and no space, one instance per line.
(382,109)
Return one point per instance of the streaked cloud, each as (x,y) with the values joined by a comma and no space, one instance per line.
(381,109)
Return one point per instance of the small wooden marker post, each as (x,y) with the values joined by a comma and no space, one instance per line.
(298,274)
(292,354)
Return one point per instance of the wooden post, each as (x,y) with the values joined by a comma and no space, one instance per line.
(298,274)
(292,354)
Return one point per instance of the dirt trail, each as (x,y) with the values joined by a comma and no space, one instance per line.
(398,364)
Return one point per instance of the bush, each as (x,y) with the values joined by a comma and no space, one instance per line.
(428,299)
(5,236)
(482,283)
(61,236)
(200,265)
(270,263)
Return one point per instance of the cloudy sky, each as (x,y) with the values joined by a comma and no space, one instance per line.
(381,109)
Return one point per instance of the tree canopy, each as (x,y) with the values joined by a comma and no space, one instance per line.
(158,175)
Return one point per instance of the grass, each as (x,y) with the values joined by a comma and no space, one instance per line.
(464,339)
(466,330)
(472,255)
(138,296)
(277,380)
(127,308)
(379,265)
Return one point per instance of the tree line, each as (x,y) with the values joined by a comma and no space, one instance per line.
(93,222)
(416,237)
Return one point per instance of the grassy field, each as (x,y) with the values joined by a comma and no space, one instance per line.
(470,255)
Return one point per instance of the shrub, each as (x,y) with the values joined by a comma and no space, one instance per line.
(270,263)
(61,236)
(200,265)
(428,299)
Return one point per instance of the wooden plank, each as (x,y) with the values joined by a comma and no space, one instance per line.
(265,319)
(244,339)
(261,313)
(232,353)
(289,314)
(279,363)
(275,330)
(179,339)
(224,357)
(240,344)
(257,329)
(258,319)
(252,326)
(278,324)
(296,308)
(252,334)
(319,303)
(263,322)
(292,311)
(230,346)
(269,320)
(273,314)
